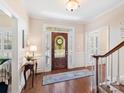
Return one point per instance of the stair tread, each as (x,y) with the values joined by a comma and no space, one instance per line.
(119,87)
(106,88)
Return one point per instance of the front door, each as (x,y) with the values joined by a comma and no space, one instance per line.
(59,50)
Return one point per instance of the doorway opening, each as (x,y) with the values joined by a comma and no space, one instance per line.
(8,26)
(59,47)
(97,42)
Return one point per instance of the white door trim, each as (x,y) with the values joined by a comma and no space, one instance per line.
(94,33)
(47,46)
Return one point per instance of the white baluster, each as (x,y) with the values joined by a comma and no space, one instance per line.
(101,71)
(111,68)
(118,70)
(106,71)
(93,70)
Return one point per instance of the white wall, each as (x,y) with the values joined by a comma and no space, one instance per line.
(36,38)
(113,19)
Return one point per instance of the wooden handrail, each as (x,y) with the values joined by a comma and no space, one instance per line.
(105,55)
(111,51)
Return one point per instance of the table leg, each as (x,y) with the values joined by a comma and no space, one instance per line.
(36,69)
(25,78)
(32,77)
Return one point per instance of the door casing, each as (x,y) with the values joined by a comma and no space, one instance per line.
(47,46)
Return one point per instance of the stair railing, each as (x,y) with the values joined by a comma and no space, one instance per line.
(99,67)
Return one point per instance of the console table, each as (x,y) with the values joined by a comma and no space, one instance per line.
(32,66)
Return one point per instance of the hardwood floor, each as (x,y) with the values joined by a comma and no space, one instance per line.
(82,85)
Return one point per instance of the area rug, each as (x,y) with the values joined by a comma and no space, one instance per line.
(60,77)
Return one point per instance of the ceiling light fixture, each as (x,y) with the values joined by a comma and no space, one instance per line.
(72,5)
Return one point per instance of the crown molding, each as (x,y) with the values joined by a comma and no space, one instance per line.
(56,20)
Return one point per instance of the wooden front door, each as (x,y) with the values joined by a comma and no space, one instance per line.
(59,50)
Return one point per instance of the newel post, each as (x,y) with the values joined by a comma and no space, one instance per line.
(97,81)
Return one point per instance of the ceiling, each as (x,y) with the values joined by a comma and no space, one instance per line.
(56,9)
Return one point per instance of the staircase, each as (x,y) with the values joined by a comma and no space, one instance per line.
(108,79)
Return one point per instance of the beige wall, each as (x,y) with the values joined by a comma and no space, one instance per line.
(114,16)
(112,19)
(36,34)
(5,21)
